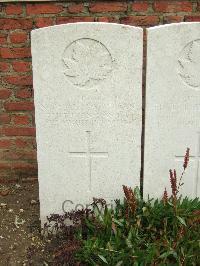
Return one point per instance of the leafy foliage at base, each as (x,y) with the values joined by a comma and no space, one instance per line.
(151,235)
(134,232)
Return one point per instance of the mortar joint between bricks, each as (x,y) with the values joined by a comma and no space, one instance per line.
(129,4)
(194,7)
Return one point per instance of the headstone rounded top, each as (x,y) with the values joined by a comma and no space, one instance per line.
(85,25)
(174,26)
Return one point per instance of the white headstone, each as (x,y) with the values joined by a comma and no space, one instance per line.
(87,89)
(172,107)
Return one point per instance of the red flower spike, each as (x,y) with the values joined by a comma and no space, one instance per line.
(165,196)
(186,158)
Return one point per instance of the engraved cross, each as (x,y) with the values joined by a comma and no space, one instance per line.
(196,159)
(88,154)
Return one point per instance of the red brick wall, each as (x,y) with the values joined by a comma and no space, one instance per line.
(17,128)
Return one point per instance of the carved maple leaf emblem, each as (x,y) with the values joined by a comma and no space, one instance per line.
(189,64)
(87,61)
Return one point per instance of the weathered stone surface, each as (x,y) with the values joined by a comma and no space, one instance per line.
(87,89)
(172,107)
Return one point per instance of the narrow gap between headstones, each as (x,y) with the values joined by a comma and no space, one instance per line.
(143,109)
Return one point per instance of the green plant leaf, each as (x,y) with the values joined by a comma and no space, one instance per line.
(103,259)
(144,209)
(119,263)
(166,254)
(117,222)
(181,220)
(171,204)
(128,243)
(137,193)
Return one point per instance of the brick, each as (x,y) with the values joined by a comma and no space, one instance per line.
(23,93)
(5,166)
(34,9)
(43,22)
(107,7)
(4,119)
(172,19)
(140,6)
(76,8)
(30,179)
(5,143)
(63,20)
(19,106)
(5,179)
(3,38)
(2,155)
(18,37)
(25,143)
(20,143)
(13,9)
(31,155)
(24,166)
(172,6)
(19,155)
(140,20)
(9,155)
(5,94)
(192,18)
(21,131)
(21,119)
(21,66)
(13,24)
(4,67)
(108,19)
(103,19)
(19,80)
(8,53)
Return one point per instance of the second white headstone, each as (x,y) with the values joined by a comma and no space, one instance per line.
(172,107)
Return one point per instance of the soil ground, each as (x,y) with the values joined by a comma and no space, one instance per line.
(20,240)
